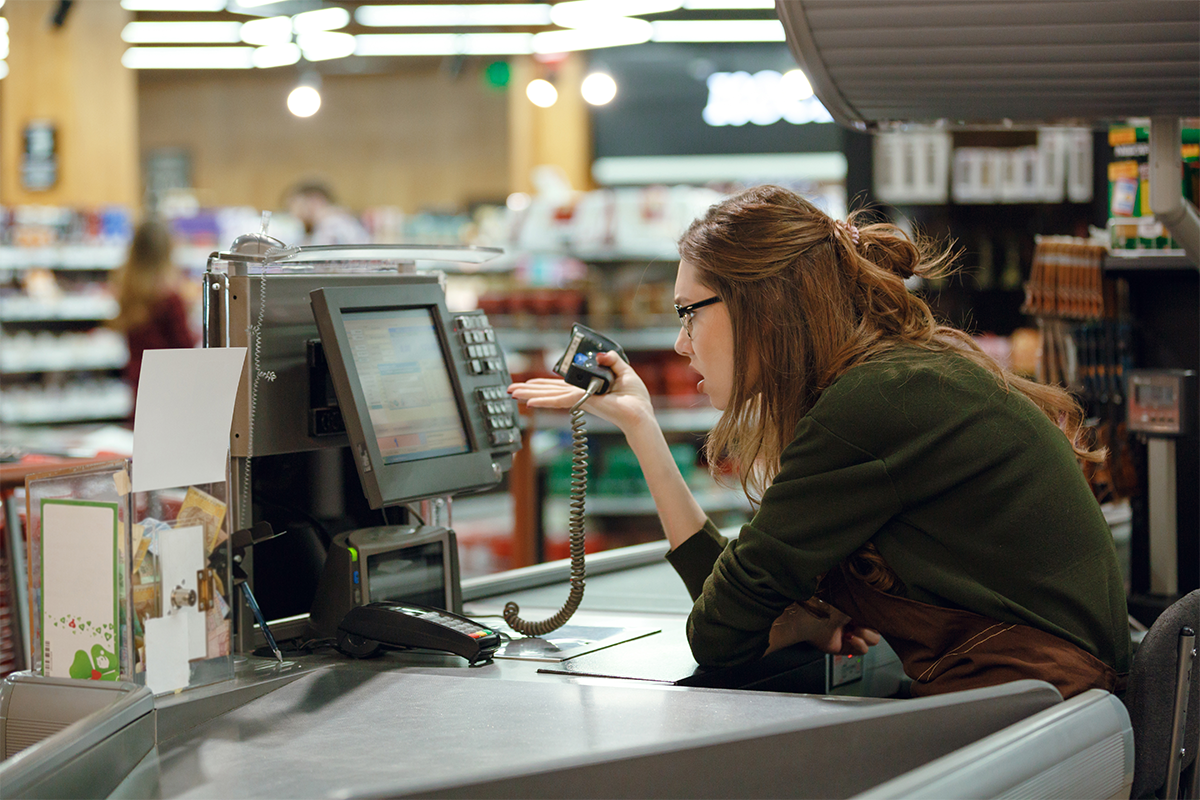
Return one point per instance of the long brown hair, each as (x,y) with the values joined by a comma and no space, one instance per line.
(147,272)
(809,298)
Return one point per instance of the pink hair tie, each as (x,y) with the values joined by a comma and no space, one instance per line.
(848,228)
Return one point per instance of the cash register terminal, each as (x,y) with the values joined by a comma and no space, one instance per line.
(422,393)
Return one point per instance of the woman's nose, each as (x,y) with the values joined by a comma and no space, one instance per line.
(683,344)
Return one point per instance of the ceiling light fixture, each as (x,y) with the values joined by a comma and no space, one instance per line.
(443,44)
(182,32)
(208,6)
(451,16)
(584,13)
(188,58)
(276,55)
(728,5)
(718,30)
(267,31)
(606,32)
(795,85)
(324,45)
(323,19)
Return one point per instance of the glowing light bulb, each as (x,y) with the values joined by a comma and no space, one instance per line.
(304,101)
(598,88)
(541,93)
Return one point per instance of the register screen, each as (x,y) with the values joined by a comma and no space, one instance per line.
(407,387)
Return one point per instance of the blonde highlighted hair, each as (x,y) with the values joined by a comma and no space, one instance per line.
(807,302)
(147,272)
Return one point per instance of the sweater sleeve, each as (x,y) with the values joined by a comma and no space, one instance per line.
(829,498)
(694,559)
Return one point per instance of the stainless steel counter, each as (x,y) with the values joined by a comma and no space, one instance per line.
(428,725)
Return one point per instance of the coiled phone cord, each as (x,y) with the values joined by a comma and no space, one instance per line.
(579,462)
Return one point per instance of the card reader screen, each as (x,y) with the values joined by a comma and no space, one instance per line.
(412,574)
(404,378)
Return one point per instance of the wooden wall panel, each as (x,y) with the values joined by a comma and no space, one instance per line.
(559,135)
(420,139)
(72,76)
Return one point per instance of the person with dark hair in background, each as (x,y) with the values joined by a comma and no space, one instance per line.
(324,221)
(907,485)
(150,292)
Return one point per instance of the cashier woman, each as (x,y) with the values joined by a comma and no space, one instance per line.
(907,486)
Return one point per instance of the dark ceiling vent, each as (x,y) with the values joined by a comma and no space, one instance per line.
(984,62)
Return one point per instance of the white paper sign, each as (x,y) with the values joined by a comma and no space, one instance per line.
(184,411)
(181,555)
(79,590)
(166,653)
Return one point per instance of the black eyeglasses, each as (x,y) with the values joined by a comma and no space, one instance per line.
(688,313)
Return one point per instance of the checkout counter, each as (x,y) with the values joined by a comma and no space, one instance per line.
(614,707)
(412,724)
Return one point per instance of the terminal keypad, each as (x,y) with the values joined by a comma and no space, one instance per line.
(485,359)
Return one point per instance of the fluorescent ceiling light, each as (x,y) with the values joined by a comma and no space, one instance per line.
(323,19)
(424,16)
(443,44)
(3,46)
(173,5)
(612,32)
(3,21)
(182,32)
(188,58)
(276,55)
(323,45)
(718,30)
(268,31)
(728,5)
(3,70)
(584,13)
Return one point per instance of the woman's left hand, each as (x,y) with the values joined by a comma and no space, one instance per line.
(836,634)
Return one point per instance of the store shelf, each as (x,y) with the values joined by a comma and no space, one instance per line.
(21,308)
(85,401)
(97,257)
(1139,260)
(54,365)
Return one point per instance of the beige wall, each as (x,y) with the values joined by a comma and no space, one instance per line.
(416,139)
(73,77)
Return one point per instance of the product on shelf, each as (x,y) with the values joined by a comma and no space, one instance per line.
(1131,224)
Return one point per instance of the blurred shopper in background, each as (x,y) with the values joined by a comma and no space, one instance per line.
(153,297)
(324,221)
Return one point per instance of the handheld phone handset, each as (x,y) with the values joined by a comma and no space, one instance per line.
(578,367)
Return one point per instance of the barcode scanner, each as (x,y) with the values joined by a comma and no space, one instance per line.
(578,365)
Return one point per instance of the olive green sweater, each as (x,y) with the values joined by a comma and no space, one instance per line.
(972,496)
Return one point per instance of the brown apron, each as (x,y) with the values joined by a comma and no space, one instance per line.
(948,650)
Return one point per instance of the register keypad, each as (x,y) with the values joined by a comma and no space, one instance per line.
(481,351)
(500,413)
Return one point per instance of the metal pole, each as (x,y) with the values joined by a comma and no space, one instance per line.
(1183,676)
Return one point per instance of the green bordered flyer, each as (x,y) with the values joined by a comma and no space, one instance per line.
(80,589)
